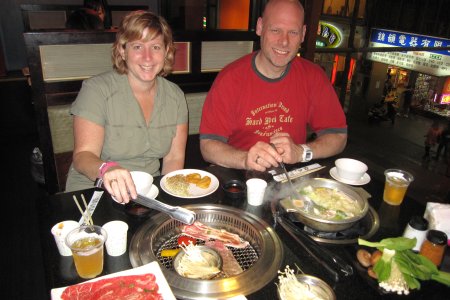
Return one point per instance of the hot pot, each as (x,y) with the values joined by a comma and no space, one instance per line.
(321,224)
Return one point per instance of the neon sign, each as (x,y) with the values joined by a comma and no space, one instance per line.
(328,35)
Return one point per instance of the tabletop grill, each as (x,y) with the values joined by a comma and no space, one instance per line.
(260,260)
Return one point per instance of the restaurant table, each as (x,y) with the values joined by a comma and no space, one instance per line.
(60,271)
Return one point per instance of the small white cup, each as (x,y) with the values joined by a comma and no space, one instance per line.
(116,244)
(143,181)
(59,231)
(255,191)
(350,169)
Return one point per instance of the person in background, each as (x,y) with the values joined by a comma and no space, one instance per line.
(431,138)
(388,86)
(269,98)
(129,118)
(407,99)
(444,139)
(90,17)
(391,105)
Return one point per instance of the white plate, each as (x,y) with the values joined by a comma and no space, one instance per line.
(194,191)
(365,179)
(153,193)
(153,268)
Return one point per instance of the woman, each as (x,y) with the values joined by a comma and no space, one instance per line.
(129,118)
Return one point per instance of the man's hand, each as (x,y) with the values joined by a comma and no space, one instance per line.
(262,156)
(289,151)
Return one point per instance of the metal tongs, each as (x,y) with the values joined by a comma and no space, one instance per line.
(181,214)
(336,267)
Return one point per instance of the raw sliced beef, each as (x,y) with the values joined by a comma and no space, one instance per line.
(133,287)
(230,265)
(203,232)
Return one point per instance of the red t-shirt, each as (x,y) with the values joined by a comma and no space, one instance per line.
(244,107)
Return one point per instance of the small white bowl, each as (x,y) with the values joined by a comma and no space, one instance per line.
(143,181)
(350,169)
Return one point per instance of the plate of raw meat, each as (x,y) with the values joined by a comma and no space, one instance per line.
(144,282)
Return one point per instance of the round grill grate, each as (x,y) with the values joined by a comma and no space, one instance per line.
(260,261)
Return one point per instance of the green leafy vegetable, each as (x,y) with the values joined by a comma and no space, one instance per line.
(398,243)
(383,267)
(397,255)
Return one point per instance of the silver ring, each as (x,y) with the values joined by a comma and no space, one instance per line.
(256,161)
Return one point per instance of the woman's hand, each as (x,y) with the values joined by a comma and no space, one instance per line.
(119,184)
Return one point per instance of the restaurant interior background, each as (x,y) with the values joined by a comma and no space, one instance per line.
(340,46)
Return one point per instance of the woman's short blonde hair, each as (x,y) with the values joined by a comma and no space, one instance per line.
(132,28)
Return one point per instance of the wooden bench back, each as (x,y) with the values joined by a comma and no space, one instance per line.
(54,16)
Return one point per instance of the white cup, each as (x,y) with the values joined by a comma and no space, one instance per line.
(350,169)
(143,181)
(255,191)
(116,244)
(59,231)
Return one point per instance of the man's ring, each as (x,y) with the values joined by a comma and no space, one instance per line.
(113,180)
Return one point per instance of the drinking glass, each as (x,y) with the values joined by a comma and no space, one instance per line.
(397,182)
(86,243)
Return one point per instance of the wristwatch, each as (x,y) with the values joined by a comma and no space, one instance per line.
(307,154)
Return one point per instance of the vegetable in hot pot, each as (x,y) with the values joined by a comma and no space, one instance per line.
(332,204)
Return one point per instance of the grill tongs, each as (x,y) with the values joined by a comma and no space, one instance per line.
(178,213)
(334,264)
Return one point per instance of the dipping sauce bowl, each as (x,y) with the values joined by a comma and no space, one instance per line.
(234,189)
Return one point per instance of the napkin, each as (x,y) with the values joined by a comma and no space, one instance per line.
(438,216)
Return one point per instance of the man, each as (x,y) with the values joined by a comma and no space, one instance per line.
(259,108)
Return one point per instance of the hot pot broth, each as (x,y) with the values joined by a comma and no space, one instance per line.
(333,203)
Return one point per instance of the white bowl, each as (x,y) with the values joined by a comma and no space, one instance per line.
(143,181)
(350,169)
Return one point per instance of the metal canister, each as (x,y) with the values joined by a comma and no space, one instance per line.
(417,228)
(433,247)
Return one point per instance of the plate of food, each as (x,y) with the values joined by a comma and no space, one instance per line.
(189,183)
(122,284)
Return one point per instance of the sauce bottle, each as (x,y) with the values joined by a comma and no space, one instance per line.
(416,228)
(433,247)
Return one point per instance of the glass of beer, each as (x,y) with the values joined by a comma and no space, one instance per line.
(86,243)
(397,182)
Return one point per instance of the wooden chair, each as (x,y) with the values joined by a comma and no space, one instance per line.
(58,63)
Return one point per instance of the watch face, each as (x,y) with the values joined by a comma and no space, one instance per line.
(308,155)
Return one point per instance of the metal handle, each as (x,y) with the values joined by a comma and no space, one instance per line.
(333,263)
(178,213)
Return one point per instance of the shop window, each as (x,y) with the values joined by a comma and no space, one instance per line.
(207,14)
(343,8)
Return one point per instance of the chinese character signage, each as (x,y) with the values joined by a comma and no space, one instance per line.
(328,35)
(432,62)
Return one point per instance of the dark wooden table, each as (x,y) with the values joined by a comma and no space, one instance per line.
(60,270)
